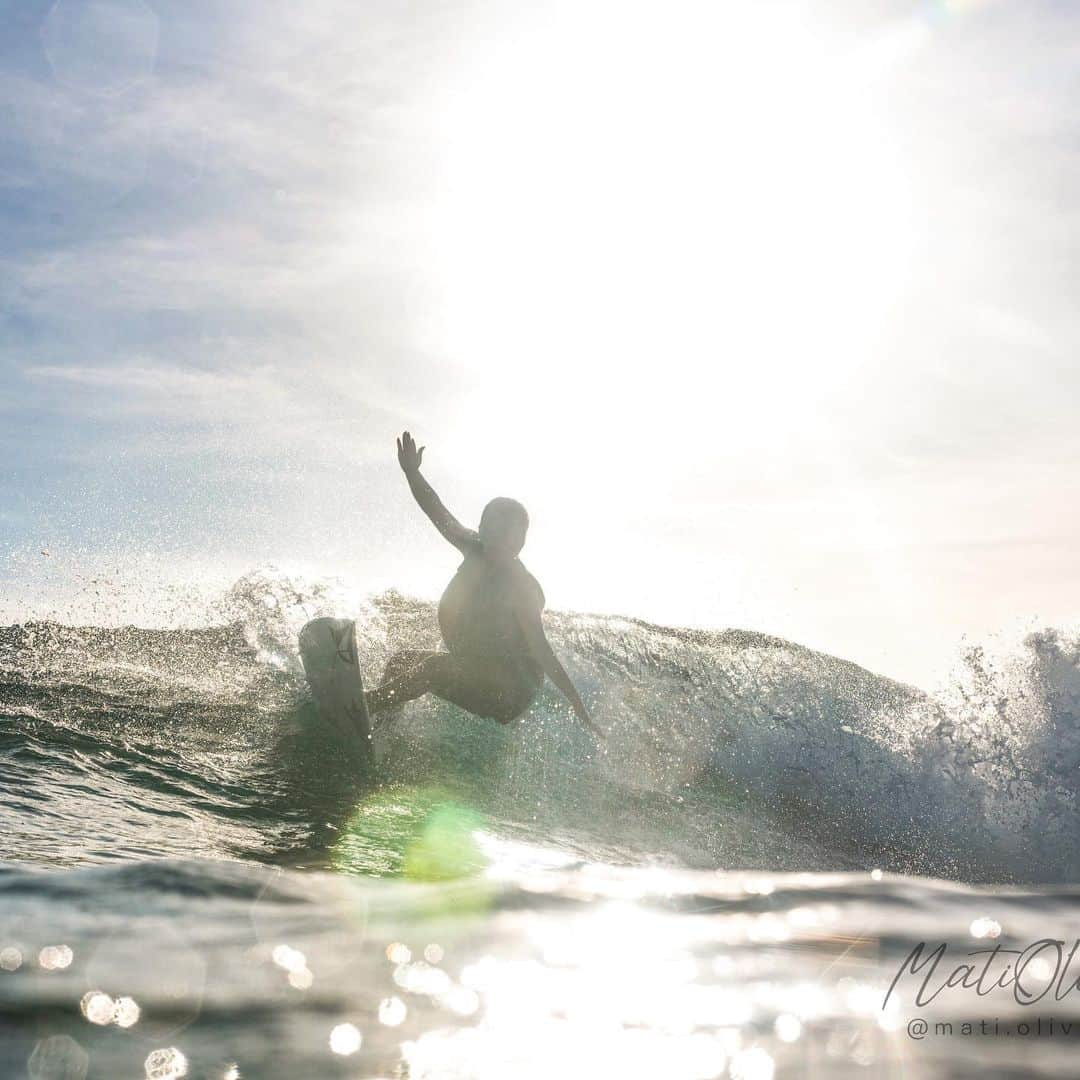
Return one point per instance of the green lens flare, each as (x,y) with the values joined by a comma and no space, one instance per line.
(445,847)
(421,834)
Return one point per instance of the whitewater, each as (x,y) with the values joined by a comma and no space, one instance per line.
(194,884)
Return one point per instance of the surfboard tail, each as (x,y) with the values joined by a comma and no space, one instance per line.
(331,662)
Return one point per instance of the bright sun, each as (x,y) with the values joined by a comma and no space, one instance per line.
(641,201)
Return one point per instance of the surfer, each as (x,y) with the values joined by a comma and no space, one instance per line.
(489,615)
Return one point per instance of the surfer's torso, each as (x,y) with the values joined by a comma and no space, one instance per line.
(477,613)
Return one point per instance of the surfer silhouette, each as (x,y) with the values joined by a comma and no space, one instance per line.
(489,615)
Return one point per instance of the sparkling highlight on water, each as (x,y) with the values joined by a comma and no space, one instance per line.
(345,1039)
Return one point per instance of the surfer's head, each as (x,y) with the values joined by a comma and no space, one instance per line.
(503,526)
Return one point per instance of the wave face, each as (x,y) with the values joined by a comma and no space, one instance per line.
(725,749)
(227,895)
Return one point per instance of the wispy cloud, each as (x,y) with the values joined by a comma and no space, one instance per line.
(161,382)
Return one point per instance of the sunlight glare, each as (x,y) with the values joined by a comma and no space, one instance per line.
(634,202)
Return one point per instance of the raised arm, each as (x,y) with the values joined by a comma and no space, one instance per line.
(409,459)
(529,618)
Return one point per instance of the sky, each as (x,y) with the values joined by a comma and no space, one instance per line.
(766,311)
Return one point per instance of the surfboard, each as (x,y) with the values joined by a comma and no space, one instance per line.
(328,653)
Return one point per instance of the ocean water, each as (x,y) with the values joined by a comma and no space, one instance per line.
(195,883)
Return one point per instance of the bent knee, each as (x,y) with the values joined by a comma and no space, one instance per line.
(440,664)
(508,707)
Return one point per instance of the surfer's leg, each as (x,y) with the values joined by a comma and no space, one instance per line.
(406,682)
(460,683)
(384,701)
(402,661)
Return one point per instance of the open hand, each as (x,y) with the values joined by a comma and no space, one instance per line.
(409,458)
